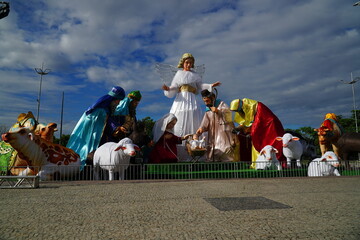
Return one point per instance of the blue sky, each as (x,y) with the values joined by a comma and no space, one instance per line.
(290,55)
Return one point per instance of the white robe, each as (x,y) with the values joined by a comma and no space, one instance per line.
(185,106)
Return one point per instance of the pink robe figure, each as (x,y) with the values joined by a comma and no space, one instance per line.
(220,141)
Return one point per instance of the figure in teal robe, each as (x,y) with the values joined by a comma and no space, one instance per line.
(121,122)
(87,133)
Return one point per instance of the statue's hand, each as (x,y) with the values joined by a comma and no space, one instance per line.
(164,87)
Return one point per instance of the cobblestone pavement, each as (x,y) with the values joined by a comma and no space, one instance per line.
(310,208)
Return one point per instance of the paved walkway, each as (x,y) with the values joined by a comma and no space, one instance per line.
(286,208)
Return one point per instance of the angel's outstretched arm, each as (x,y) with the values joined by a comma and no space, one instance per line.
(216,84)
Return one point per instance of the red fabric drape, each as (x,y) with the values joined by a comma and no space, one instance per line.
(265,128)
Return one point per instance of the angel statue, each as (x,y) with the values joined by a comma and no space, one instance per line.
(185,85)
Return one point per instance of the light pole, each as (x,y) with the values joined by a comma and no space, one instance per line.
(352,82)
(42,72)
(62,114)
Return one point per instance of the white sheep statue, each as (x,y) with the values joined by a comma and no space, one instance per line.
(114,157)
(267,159)
(324,166)
(292,148)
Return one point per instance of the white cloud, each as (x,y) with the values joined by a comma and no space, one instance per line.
(289,55)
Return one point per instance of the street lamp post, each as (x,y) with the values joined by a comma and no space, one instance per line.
(352,82)
(41,72)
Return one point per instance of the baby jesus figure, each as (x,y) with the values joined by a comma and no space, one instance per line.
(195,143)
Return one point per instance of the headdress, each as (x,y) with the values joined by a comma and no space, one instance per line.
(117,92)
(331,116)
(122,109)
(245,111)
(21,117)
(236,105)
(183,58)
(24,120)
(136,95)
(207,93)
(160,125)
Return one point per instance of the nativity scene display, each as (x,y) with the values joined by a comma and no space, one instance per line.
(199,130)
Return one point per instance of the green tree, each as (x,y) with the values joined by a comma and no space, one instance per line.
(307,133)
(149,124)
(348,124)
(63,140)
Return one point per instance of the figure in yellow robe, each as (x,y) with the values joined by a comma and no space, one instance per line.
(257,120)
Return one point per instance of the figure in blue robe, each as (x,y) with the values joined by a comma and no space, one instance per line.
(89,130)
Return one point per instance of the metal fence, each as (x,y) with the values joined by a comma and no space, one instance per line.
(199,170)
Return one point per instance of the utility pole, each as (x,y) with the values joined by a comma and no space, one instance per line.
(41,71)
(352,82)
(62,113)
